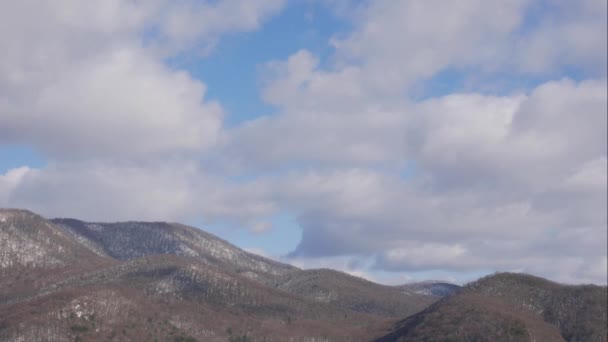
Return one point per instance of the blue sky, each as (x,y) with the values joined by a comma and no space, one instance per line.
(278,242)
(232,69)
(394,140)
(13,156)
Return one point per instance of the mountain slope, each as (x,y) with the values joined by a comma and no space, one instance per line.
(353,293)
(35,252)
(67,280)
(579,311)
(471,317)
(511,307)
(167,296)
(131,240)
(47,247)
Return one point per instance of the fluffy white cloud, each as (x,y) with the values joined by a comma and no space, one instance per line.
(566,33)
(87,86)
(8,182)
(85,80)
(328,118)
(377,179)
(98,190)
(122,103)
(399,42)
(183,22)
(533,140)
(502,180)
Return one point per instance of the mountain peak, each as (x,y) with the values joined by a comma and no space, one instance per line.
(134,239)
(12,213)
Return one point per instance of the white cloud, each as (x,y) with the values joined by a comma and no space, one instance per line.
(118,104)
(590,177)
(9,181)
(567,33)
(348,264)
(378,181)
(425,254)
(85,80)
(99,192)
(510,174)
(102,191)
(87,86)
(183,22)
(533,140)
(400,42)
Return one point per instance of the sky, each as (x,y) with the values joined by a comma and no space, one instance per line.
(396,140)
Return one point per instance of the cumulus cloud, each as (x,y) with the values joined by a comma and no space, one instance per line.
(500,192)
(492,179)
(567,32)
(182,23)
(85,84)
(377,179)
(81,79)
(399,42)
(118,104)
(9,181)
(534,140)
(100,191)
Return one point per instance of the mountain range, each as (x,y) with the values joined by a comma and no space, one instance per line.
(70,280)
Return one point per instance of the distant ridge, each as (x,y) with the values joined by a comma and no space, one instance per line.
(511,307)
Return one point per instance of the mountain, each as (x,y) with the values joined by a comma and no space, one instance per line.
(511,307)
(154,280)
(578,311)
(47,246)
(70,280)
(131,240)
(430,288)
(166,296)
(353,293)
(34,252)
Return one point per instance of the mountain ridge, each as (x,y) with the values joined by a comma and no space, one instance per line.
(132,239)
(513,307)
(66,279)
(183,270)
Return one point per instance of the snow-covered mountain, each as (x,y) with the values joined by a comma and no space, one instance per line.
(132,240)
(70,280)
(65,280)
